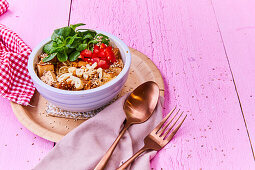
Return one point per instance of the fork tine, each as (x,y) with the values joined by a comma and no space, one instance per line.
(156,129)
(171,127)
(175,130)
(164,128)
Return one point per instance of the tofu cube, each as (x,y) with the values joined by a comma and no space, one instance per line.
(44,68)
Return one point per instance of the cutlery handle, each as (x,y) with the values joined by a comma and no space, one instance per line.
(103,162)
(130,160)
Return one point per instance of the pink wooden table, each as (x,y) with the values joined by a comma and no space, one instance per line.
(205,50)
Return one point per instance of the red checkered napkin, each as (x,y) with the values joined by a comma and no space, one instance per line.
(3,6)
(15,82)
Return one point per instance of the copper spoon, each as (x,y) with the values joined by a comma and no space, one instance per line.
(138,107)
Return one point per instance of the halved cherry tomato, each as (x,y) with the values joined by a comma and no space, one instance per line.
(103,64)
(86,53)
(102,46)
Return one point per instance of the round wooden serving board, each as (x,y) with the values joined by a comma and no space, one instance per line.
(54,128)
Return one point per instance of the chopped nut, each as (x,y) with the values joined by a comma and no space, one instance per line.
(72,70)
(100,73)
(79,72)
(85,76)
(63,77)
(78,84)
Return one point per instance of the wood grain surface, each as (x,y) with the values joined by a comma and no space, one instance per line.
(238,33)
(183,40)
(204,50)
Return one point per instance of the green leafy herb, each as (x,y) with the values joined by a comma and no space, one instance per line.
(62,57)
(76,25)
(57,49)
(84,32)
(74,56)
(47,48)
(88,36)
(82,47)
(64,32)
(93,42)
(67,42)
(50,57)
(74,42)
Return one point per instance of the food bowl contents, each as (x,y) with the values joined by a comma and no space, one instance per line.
(78,59)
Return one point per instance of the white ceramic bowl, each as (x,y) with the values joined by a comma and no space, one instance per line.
(84,100)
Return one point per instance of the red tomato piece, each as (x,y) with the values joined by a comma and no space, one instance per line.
(102,50)
(102,46)
(108,52)
(86,59)
(95,60)
(94,55)
(111,59)
(110,55)
(101,54)
(103,64)
(96,49)
(86,53)
(109,48)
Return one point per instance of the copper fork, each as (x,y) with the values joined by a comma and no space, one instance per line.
(158,138)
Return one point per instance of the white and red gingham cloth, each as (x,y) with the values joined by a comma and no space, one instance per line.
(15,82)
(3,6)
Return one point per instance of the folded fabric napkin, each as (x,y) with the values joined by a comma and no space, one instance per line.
(3,6)
(15,82)
(82,148)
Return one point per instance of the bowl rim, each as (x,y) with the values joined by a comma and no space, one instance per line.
(123,72)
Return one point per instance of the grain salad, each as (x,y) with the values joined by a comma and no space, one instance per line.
(78,59)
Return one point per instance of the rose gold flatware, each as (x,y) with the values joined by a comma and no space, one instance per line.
(138,108)
(158,138)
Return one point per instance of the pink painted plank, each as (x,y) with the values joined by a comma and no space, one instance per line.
(238,32)
(33,21)
(183,39)
(19,148)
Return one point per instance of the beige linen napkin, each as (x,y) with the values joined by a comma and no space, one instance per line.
(83,147)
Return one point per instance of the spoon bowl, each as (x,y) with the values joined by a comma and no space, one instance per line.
(141,103)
